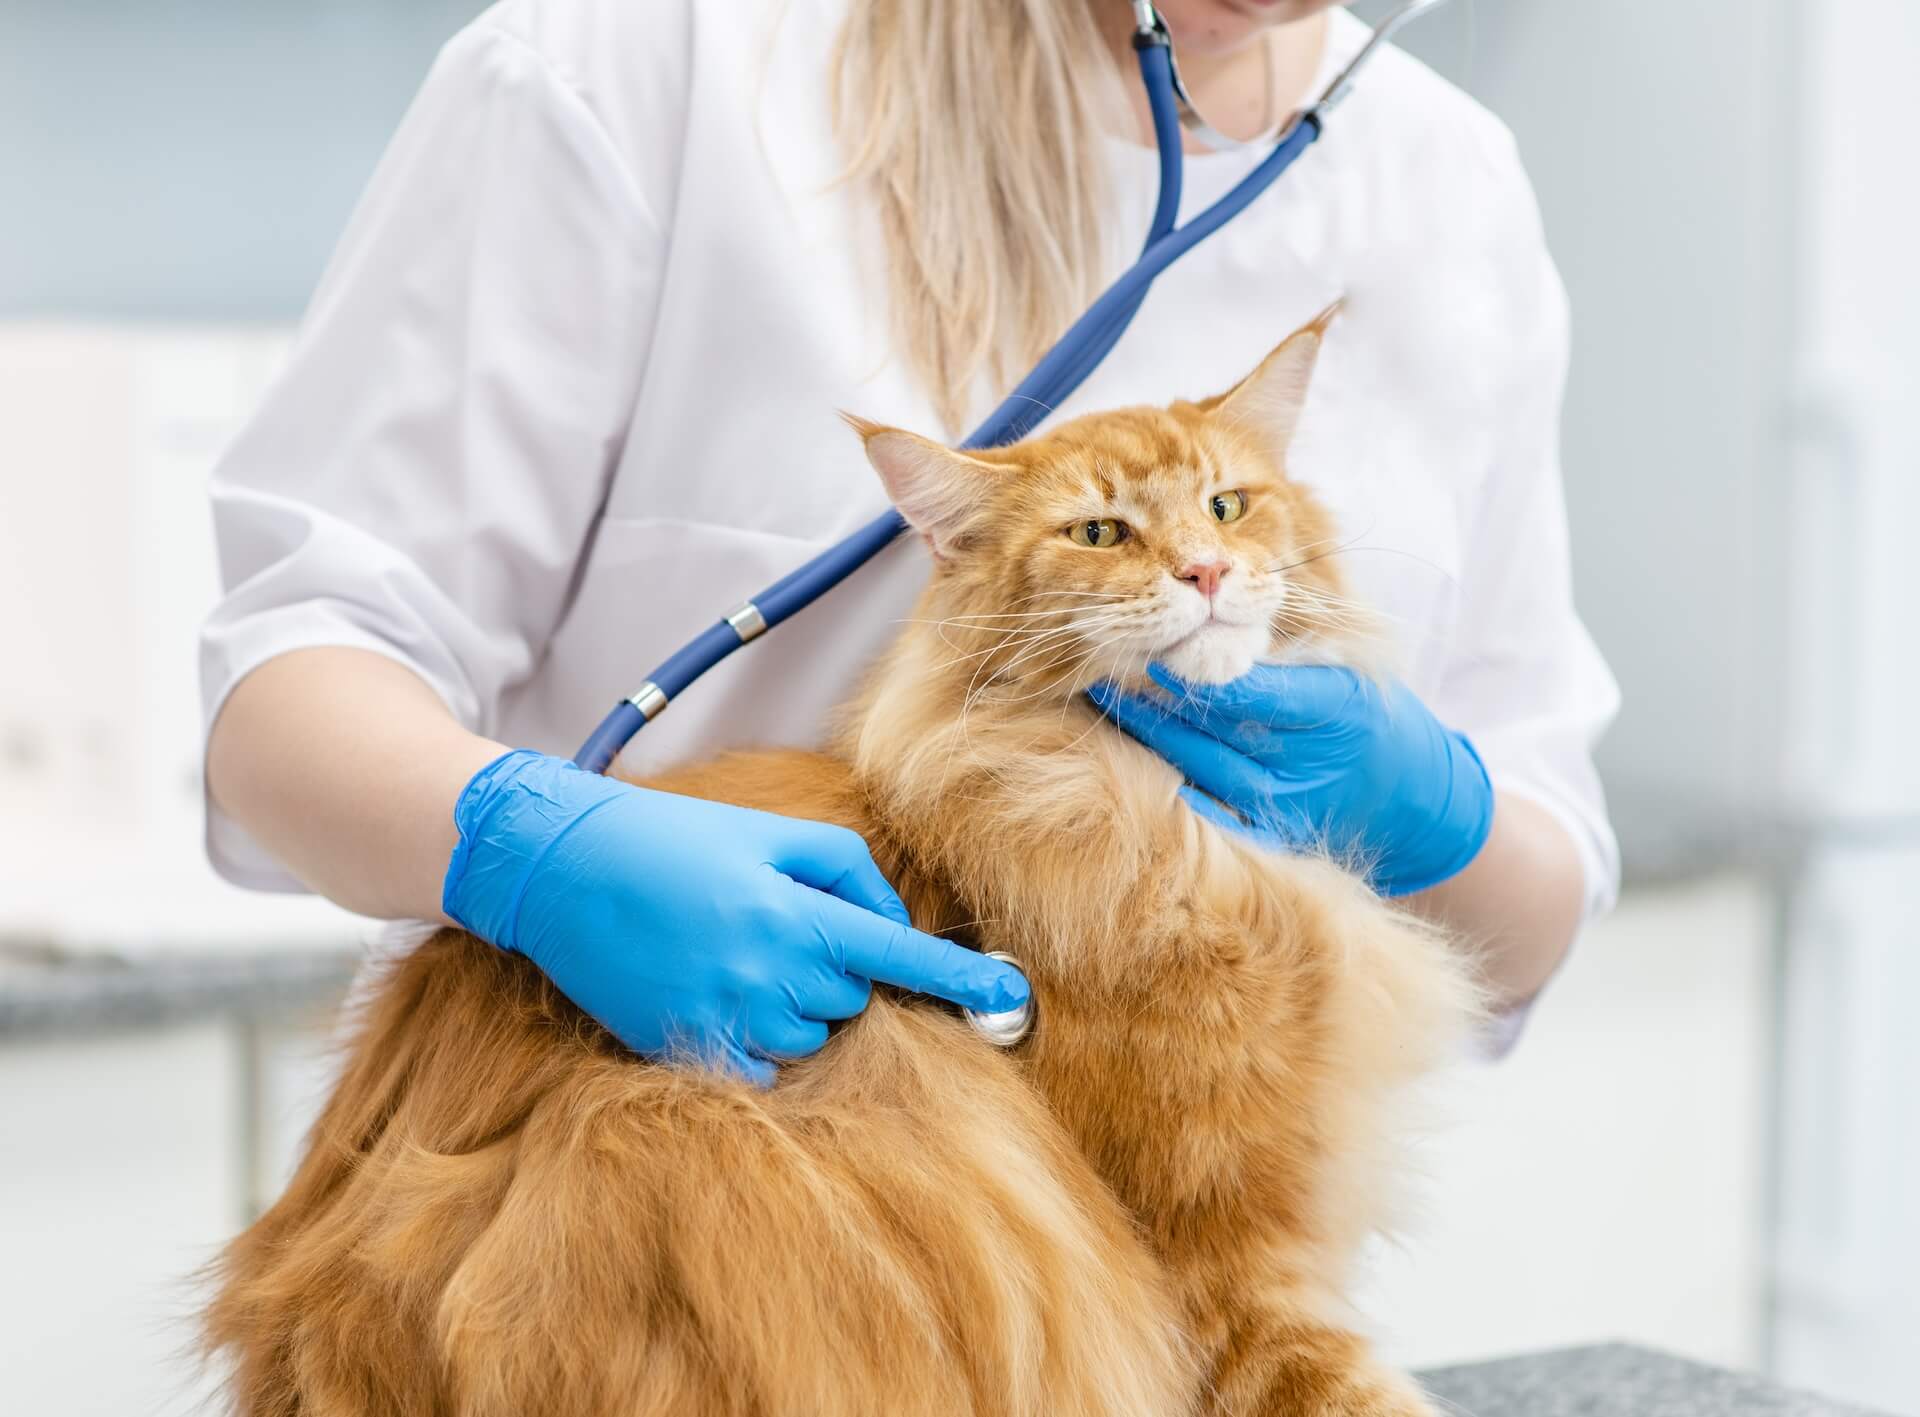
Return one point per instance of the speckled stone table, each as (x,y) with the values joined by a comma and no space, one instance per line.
(1616,1380)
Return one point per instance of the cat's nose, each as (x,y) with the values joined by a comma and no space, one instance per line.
(1205,576)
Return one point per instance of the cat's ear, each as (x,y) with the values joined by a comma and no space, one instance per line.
(937,490)
(1269,400)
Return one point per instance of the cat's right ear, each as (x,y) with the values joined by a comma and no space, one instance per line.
(937,490)
(1270,399)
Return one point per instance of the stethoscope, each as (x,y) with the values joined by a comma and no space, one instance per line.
(1076,355)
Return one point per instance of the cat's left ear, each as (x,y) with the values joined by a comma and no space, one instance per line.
(938,490)
(1270,399)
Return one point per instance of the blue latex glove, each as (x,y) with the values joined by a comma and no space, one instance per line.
(691,928)
(1311,755)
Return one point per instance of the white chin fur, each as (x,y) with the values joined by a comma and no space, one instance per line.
(1215,654)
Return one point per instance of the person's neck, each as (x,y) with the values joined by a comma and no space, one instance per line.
(1242,91)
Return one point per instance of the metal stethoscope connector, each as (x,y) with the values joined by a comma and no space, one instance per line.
(1003,1030)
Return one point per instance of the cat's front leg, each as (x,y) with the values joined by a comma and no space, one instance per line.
(1325,1006)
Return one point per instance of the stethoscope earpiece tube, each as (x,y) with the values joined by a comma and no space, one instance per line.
(1064,368)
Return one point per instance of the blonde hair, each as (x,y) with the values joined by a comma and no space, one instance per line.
(975,125)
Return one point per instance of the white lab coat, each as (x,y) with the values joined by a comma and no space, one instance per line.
(567,394)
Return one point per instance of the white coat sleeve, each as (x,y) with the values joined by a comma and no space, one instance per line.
(1524,679)
(424,477)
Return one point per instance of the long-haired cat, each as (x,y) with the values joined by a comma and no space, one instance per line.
(1148,1207)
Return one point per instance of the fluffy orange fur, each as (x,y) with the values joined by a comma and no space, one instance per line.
(1148,1207)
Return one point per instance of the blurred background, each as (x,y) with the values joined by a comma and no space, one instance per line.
(1710,1139)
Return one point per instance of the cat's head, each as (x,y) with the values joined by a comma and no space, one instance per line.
(1171,535)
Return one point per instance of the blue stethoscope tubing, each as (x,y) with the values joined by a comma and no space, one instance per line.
(1062,370)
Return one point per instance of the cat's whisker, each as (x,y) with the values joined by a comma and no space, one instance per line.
(1330,540)
(948,628)
(976,690)
(1326,614)
(1309,588)
(1001,615)
(1331,607)
(1099,714)
(1078,628)
(992,649)
(1070,663)
(1009,637)
(1325,609)
(1308,591)
(1334,616)
(980,622)
(1038,690)
(1353,546)
(1071,594)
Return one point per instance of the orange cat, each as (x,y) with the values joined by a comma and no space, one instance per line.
(1148,1207)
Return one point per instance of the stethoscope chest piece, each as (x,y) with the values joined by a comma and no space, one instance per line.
(1003,1030)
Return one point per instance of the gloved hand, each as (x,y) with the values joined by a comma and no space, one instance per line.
(1310,754)
(692,928)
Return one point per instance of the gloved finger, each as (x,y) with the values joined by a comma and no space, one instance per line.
(757,1071)
(833,995)
(723,1056)
(837,861)
(902,956)
(1295,696)
(784,1039)
(1274,838)
(1203,759)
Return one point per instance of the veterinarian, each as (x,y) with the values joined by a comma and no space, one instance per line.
(569,387)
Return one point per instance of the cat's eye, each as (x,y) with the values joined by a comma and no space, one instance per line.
(1104,531)
(1227,506)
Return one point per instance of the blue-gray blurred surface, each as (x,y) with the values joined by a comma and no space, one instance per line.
(193,159)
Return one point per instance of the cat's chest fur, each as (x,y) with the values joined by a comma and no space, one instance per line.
(1052,850)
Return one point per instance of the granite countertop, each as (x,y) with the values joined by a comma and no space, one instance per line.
(48,992)
(1615,1380)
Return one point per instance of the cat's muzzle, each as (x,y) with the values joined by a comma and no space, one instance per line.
(1003,1030)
